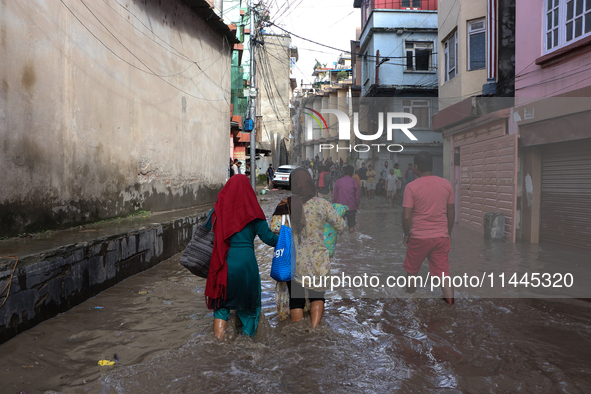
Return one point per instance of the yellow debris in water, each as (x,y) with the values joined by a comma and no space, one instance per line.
(102,363)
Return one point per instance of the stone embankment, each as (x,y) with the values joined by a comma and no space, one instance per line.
(59,271)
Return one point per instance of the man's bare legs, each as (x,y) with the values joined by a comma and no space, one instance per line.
(448,293)
(448,290)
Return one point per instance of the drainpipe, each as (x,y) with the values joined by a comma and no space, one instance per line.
(491,57)
(377,68)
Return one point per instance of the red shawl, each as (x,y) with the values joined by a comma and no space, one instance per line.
(236,206)
(321,180)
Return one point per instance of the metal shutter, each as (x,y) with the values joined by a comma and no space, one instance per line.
(489,171)
(566,194)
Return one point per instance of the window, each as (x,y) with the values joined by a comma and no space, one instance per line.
(450,55)
(418,56)
(411,3)
(566,21)
(365,10)
(476,45)
(578,18)
(421,109)
(552,17)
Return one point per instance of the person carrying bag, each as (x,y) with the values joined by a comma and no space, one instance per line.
(283,264)
(197,255)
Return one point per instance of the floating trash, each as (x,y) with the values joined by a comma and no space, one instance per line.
(103,363)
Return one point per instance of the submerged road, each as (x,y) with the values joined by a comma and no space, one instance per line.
(156,327)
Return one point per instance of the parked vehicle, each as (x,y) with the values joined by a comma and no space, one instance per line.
(281,177)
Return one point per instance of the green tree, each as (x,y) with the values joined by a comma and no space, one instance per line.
(342,75)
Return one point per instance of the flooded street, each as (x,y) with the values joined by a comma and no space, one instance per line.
(157,327)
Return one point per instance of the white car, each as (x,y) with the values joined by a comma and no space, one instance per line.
(281,177)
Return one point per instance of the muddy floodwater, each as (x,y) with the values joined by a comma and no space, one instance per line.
(156,328)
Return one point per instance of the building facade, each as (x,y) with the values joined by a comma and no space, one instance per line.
(397,60)
(476,78)
(275,87)
(319,138)
(552,116)
(237,16)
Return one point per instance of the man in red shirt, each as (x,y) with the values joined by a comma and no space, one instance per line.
(427,220)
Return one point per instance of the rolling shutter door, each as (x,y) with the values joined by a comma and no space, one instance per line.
(487,184)
(566,194)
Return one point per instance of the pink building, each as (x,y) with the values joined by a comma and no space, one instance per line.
(476,75)
(552,116)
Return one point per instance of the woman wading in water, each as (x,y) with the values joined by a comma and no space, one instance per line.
(233,282)
(308,216)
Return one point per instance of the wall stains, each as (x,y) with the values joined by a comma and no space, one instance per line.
(27,216)
(29,78)
(26,153)
(4,90)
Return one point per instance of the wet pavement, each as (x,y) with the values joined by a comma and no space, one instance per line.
(157,326)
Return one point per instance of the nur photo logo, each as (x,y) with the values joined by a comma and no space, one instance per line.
(392,120)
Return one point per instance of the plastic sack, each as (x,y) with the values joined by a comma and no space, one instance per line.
(283,264)
(330,233)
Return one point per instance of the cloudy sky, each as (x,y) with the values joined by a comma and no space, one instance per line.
(330,22)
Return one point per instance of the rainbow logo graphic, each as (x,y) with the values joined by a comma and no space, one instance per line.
(313,115)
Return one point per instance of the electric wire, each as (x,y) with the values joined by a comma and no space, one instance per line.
(150,71)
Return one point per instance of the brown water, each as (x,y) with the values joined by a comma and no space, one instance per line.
(164,343)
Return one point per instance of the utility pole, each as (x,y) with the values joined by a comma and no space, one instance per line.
(252,94)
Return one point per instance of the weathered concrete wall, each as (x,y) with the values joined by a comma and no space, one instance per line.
(107,108)
(46,284)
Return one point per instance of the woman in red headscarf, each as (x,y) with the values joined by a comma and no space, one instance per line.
(233,281)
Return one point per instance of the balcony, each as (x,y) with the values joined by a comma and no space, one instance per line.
(412,5)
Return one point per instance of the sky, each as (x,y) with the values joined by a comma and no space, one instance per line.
(330,22)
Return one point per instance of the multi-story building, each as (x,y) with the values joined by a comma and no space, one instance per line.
(275,85)
(237,16)
(398,60)
(476,76)
(319,138)
(552,117)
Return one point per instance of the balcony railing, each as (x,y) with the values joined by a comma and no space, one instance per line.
(369,5)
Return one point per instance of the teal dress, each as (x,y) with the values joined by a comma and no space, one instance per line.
(244,282)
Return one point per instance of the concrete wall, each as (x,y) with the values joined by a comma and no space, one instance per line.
(107,114)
